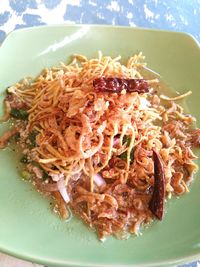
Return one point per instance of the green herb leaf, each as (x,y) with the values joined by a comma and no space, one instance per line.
(21,114)
(123,156)
(45,175)
(32,138)
(126,139)
(132,155)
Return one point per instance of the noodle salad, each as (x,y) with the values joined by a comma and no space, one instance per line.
(102,140)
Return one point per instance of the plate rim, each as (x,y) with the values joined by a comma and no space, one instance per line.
(15,31)
(40,260)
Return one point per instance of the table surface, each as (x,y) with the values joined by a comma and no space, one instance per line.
(175,15)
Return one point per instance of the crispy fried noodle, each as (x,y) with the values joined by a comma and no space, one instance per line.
(97,137)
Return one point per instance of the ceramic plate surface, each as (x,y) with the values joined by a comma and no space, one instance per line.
(28,228)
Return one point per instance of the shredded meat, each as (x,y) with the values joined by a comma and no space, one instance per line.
(15,101)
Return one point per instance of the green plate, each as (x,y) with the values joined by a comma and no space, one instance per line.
(28,228)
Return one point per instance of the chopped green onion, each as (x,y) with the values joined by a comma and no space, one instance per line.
(26,175)
(24,159)
(32,138)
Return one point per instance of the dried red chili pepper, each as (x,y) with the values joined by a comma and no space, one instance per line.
(156,204)
(116,85)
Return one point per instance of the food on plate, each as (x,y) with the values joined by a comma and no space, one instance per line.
(101,139)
